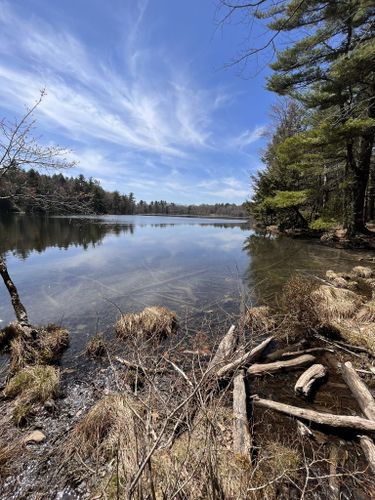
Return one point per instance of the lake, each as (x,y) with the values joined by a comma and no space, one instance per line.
(81,271)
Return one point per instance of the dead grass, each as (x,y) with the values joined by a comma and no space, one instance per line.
(9,453)
(96,346)
(52,341)
(156,322)
(300,318)
(331,303)
(108,431)
(341,280)
(359,333)
(362,272)
(31,386)
(37,347)
(258,320)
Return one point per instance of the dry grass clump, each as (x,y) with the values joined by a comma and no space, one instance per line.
(357,333)
(300,318)
(52,341)
(331,303)
(37,347)
(362,272)
(31,386)
(367,312)
(151,322)
(8,454)
(96,346)
(258,319)
(107,431)
(341,280)
(201,462)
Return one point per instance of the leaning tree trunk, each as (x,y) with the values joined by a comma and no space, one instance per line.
(19,308)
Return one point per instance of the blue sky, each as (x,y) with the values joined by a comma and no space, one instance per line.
(138,91)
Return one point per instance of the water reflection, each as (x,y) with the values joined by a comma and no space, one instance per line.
(80,271)
(272,260)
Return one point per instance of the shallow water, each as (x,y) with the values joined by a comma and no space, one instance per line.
(81,271)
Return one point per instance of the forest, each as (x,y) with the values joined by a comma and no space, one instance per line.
(319,168)
(33,192)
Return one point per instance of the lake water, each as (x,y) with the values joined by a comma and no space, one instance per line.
(81,271)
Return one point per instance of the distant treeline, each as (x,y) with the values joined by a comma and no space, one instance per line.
(32,192)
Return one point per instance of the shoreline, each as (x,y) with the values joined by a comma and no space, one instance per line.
(123,373)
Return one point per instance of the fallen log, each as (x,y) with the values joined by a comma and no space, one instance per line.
(367,404)
(359,390)
(312,350)
(308,378)
(334,484)
(225,348)
(275,355)
(329,419)
(368,447)
(263,368)
(244,360)
(242,442)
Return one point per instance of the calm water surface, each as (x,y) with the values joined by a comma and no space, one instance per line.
(82,271)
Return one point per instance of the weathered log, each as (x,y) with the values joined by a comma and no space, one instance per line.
(288,364)
(308,378)
(368,447)
(311,350)
(242,441)
(359,390)
(244,360)
(225,348)
(275,355)
(334,485)
(367,404)
(329,419)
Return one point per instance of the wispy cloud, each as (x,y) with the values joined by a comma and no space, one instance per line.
(143,118)
(248,137)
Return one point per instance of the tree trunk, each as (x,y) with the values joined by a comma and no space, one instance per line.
(18,307)
(358,174)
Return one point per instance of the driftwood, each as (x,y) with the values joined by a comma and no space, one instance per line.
(242,441)
(359,390)
(367,404)
(312,350)
(260,369)
(244,360)
(225,348)
(275,355)
(368,447)
(308,378)
(329,419)
(334,485)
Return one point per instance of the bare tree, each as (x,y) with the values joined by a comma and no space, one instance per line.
(20,149)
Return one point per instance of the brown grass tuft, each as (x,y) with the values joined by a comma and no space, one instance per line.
(300,318)
(96,346)
(258,320)
(107,431)
(331,303)
(359,333)
(151,322)
(9,453)
(341,280)
(362,272)
(31,386)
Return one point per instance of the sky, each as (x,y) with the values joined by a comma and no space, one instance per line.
(140,92)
